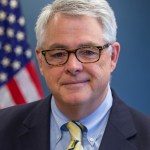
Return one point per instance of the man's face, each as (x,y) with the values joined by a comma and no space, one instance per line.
(77,84)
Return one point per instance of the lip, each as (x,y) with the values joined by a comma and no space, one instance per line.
(75,82)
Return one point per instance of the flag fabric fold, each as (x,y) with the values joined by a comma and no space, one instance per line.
(19,82)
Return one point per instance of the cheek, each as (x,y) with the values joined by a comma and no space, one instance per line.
(105,63)
(51,80)
(52,76)
(102,70)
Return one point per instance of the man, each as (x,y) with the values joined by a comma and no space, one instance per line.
(77,53)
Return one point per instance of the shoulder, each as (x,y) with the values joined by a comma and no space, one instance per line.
(141,123)
(15,114)
(129,115)
(141,120)
(17,120)
(123,107)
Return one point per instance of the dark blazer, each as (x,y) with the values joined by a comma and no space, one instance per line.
(27,127)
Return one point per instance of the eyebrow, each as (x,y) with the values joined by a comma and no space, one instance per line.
(57,45)
(63,46)
(88,44)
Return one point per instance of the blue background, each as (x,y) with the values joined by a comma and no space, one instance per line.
(131,79)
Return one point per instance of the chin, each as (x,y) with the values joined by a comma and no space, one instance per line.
(75,100)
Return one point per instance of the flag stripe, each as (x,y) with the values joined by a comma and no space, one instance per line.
(6,99)
(26,86)
(33,74)
(15,92)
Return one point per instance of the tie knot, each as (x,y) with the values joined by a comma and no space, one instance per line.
(75,130)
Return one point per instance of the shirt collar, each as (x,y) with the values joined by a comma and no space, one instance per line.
(58,116)
(96,122)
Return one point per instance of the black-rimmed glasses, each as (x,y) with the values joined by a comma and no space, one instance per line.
(85,54)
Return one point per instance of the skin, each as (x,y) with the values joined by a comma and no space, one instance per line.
(78,88)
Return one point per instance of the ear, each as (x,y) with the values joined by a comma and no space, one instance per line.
(39,59)
(115,55)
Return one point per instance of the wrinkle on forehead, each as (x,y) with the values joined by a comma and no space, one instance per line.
(83,29)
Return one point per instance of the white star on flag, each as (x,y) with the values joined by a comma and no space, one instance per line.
(21,21)
(12,18)
(13,4)
(3,76)
(18,50)
(2,15)
(5,62)
(10,32)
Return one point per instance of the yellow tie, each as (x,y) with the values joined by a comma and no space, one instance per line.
(75,130)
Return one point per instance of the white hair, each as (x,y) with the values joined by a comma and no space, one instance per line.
(100,9)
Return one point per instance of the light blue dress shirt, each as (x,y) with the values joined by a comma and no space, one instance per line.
(94,123)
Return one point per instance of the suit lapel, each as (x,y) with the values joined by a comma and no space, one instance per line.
(120,132)
(35,130)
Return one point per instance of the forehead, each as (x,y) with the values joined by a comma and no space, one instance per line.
(73,30)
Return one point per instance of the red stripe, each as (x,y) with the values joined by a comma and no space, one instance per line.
(15,92)
(34,76)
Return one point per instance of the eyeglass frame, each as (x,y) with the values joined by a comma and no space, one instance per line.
(100,48)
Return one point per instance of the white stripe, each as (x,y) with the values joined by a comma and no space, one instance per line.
(6,99)
(26,85)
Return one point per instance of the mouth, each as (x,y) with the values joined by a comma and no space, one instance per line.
(67,83)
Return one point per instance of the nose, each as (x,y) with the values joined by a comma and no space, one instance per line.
(73,66)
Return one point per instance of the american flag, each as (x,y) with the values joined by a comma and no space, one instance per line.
(19,82)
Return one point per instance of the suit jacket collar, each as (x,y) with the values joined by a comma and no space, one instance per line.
(119,134)
(120,130)
(35,130)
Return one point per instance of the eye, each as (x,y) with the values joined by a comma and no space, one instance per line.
(88,52)
(57,54)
